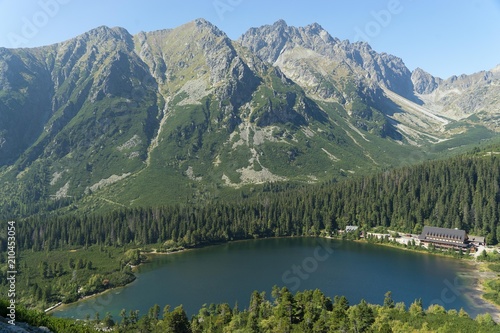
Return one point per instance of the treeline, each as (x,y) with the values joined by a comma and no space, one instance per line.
(29,195)
(461,192)
(304,312)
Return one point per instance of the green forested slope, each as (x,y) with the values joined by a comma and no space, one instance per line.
(111,120)
(461,192)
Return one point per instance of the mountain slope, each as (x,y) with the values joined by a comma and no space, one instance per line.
(272,43)
(88,115)
(108,119)
(368,84)
(472,98)
(239,122)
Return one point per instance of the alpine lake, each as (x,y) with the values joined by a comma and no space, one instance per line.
(229,273)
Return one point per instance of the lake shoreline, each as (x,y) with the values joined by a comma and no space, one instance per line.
(479,300)
(476,297)
(132,267)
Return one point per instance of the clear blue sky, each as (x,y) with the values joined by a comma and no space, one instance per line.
(444,37)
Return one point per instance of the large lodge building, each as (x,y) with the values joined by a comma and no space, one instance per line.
(449,238)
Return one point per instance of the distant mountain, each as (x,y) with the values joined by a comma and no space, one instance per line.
(287,46)
(473,98)
(362,80)
(186,114)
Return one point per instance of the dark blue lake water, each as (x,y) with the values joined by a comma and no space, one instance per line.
(229,273)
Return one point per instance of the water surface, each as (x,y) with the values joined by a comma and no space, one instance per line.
(229,273)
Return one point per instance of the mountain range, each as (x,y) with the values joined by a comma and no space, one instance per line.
(110,119)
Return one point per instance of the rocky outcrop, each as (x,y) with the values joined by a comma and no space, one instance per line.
(270,42)
(460,97)
(20,327)
(423,82)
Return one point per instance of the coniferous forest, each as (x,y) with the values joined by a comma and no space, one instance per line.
(307,311)
(462,192)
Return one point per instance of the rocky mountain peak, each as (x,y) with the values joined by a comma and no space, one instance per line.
(269,41)
(206,26)
(280,24)
(103,33)
(198,31)
(423,82)
(315,27)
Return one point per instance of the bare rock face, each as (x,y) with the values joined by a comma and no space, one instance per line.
(21,328)
(423,82)
(269,42)
(460,97)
